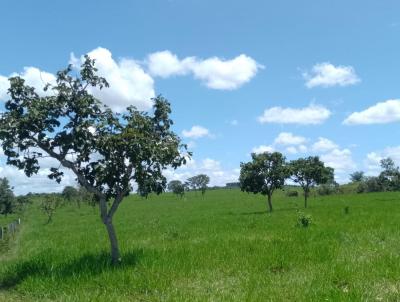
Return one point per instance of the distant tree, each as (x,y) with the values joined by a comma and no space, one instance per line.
(264,174)
(176,187)
(357,176)
(198,182)
(7,199)
(309,172)
(106,151)
(70,194)
(388,165)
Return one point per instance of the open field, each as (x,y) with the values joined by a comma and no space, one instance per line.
(223,247)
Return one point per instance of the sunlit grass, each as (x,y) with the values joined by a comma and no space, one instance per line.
(223,247)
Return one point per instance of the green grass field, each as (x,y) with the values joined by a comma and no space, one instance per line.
(223,247)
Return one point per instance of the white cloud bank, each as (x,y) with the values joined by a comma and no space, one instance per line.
(215,73)
(339,159)
(328,75)
(131,81)
(380,113)
(310,115)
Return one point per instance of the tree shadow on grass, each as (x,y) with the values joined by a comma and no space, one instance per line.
(287,209)
(42,267)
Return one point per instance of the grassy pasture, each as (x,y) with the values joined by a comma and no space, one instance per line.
(223,247)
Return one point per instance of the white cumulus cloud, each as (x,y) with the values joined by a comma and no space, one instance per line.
(328,75)
(129,83)
(380,113)
(323,144)
(287,138)
(310,115)
(33,77)
(196,132)
(214,72)
(339,159)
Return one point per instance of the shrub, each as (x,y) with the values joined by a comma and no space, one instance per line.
(304,220)
(329,189)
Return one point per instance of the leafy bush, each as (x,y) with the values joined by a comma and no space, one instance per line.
(304,220)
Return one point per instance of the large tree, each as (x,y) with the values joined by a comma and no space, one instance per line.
(106,151)
(7,199)
(309,172)
(264,174)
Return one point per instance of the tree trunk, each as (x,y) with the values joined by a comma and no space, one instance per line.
(115,254)
(107,217)
(305,197)
(269,202)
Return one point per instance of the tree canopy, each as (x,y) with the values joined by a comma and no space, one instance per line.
(357,176)
(198,182)
(176,187)
(264,174)
(106,151)
(309,172)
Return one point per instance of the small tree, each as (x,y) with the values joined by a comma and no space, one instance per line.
(309,172)
(49,205)
(105,150)
(176,187)
(357,176)
(264,174)
(198,182)
(7,199)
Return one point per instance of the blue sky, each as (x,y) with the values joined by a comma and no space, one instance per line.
(222,64)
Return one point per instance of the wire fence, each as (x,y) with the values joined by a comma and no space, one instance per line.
(10,229)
